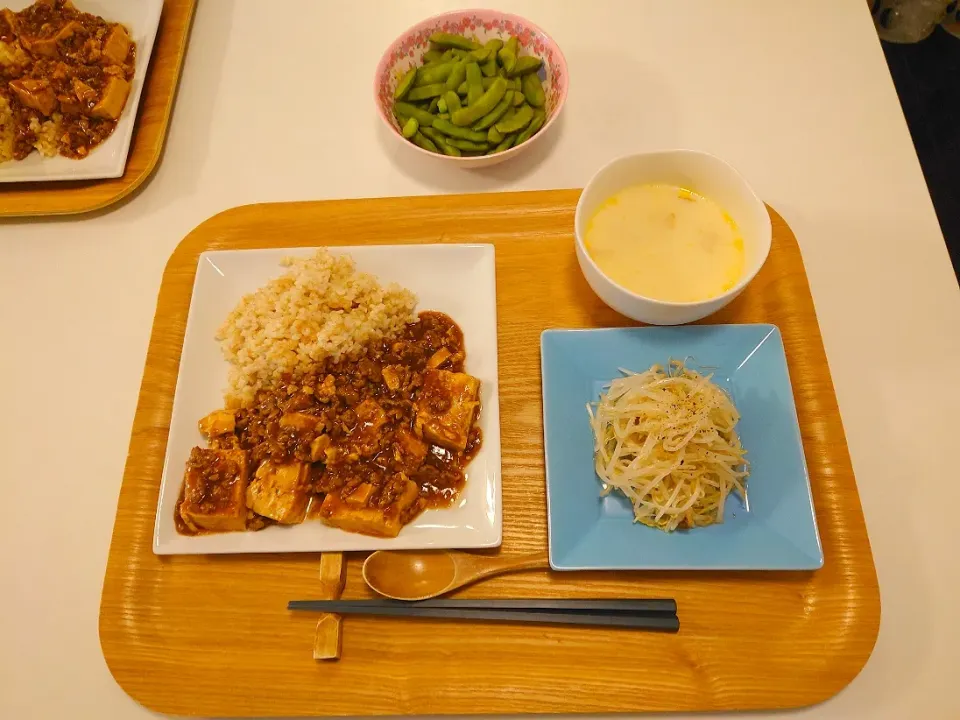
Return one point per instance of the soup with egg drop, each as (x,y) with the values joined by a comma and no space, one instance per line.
(666,243)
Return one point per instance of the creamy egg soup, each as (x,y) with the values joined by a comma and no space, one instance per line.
(666,243)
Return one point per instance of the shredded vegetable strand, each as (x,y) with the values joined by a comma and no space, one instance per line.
(665,438)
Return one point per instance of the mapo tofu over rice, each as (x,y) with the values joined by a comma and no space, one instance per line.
(65,76)
(363,440)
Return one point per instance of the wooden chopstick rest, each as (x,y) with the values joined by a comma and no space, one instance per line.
(328,640)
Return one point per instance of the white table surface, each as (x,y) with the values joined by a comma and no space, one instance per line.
(794,94)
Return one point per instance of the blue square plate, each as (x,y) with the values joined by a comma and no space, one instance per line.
(587,532)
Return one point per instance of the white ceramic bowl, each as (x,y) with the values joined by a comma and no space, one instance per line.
(697,171)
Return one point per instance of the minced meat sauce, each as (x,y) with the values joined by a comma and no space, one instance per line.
(357,424)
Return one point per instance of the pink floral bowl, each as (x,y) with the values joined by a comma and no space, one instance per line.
(408,49)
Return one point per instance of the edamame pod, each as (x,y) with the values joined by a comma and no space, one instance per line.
(467,144)
(407,110)
(434,74)
(441,142)
(480,55)
(539,117)
(508,54)
(448,40)
(448,128)
(518,99)
(486,82)
(456,76)
(410,128)
(494,136)
(526,64)
(432,56)
(533,90)
(442,105)
(425,92)
(489,68)
(444,115)
(452,101)
(491,117)
(406,82)
(484,104)
(425,142)
(474,83)
(516,123)
(505,145)
(434,105)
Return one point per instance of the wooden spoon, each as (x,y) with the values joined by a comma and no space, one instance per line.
(429,574)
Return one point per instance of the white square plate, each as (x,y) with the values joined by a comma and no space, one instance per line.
(141,17)
(459,280)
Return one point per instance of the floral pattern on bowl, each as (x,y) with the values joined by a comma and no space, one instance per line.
(483,25)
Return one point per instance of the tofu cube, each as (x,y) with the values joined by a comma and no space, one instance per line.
(219,422)
(319,447)
(365,520)
(352,513)
(280,492)
(36,94)
(214,487)
(301,422)
(410,450)
(365,437)
(116,46)
(446,408)
(114,98)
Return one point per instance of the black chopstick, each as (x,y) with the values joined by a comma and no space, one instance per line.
(632,606)
(660,621)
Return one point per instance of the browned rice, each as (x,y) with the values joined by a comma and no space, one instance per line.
(321,307)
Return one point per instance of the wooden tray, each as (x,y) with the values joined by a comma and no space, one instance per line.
(156,104)
(193,635)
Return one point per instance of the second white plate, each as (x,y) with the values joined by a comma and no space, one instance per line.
(141,17)
(459,280)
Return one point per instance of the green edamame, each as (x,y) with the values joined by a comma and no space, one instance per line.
(491,117)
(425,92)
(517,122)
(489,68)
(467,144)
(456,76)
(441,142)
(410,128)
(525,64)
(480,55)
(448,40)
(452,101)
(508,54)
(484,104)
(425,142)
(470,99)
(450,129)
(406,82)
(539,117)
(407,110)
(533,90)
(506,144)
(434,74)
(474,83)
(485,82)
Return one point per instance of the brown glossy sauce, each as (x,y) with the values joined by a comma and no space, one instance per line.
(366,410)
